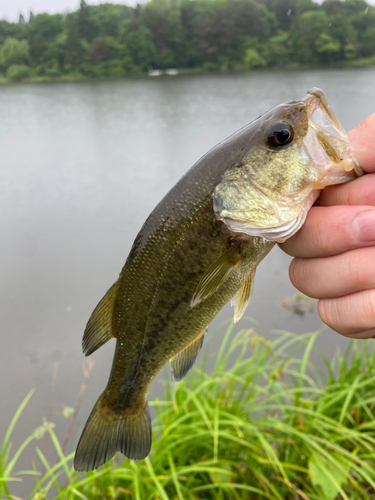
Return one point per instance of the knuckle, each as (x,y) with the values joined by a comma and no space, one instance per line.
(359,269)
(321,242)
(295,272)
(353,268)
(370,304)
(350,315)
(333,313)
(299,272)
(327,312)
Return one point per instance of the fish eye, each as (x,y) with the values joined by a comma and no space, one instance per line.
(280,134)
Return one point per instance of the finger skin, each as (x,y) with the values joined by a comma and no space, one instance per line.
(331,277)
(335,259)
(351,315)
(363,139)
(361,191)
(330,231)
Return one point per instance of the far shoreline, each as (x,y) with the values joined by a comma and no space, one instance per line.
(364,63)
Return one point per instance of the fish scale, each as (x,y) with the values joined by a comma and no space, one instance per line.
(198,250)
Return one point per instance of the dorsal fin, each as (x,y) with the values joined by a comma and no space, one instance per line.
(99,327)
(216,275)
(242,299)
(185,359)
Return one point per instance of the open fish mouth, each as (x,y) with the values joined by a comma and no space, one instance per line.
(327,143)
(304,149)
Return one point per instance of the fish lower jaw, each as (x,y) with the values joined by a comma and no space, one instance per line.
(352,165)
(348,164)
(337,173)
(276,234)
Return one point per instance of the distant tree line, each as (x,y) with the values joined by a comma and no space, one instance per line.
(116,40)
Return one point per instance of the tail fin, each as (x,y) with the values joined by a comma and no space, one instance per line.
(110,430)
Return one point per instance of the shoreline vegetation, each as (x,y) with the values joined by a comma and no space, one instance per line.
(267,423)
(363,63)
(184,36)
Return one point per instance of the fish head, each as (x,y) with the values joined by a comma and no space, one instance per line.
(292,153)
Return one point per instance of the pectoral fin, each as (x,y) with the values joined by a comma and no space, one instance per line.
(242,299)
(185,359)
(216,275)
(99,327)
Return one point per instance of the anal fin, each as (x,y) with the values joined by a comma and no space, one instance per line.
(185,359)
(242,299)
(99,327)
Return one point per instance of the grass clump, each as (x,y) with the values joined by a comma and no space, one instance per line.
(270,425)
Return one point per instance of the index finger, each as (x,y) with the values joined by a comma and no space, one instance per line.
(360,191)
(363,139)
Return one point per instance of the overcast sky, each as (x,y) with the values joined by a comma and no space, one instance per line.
(10,9)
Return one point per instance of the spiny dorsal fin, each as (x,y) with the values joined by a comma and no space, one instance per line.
(216,275)
(185,359)
(242,299)
(99,327)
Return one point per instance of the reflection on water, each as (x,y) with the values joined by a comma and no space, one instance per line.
(83,164)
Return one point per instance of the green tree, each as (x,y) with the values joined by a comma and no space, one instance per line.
(349,51)
(186,53)
(155,16)
(253,60)
(352,7)
(47,26)
(105,48)
(327,46)
(18,72)
(43,30)
(368,42)
(278,50)
(54,55)
(38,46)
(139,45)
(333,7)
(75,52)
(304,33)
(114,39)
(11,30)
(220,30)
(163,19)
(108,18)
(363,23)
(267,23)
(14,52)
(86,28)
(99,50)
(341,29)
(287,11)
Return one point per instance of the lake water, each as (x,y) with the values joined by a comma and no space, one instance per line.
(82,166)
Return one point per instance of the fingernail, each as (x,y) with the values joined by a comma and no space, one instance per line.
(363,226)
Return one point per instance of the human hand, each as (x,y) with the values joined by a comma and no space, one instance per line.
(335,248)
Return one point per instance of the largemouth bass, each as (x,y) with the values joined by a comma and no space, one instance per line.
(199,249)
